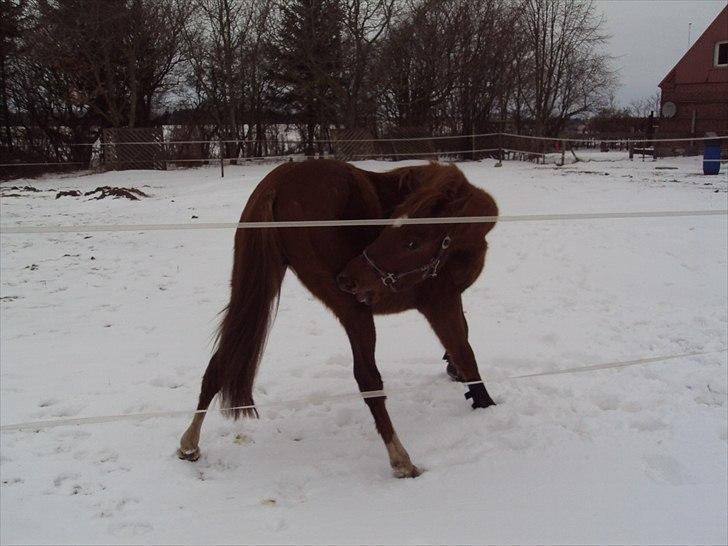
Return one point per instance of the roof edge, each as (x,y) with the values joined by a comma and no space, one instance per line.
(669,73)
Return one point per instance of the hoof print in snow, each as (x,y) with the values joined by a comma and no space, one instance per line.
(242,439)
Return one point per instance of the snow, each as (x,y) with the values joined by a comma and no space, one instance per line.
(122,322)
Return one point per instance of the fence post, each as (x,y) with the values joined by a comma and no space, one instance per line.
(563,152)
(222,160)
(500,149)
(472,143)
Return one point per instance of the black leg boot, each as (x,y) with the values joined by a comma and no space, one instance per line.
(480,396)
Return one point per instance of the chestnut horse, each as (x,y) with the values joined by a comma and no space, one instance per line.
(356,271)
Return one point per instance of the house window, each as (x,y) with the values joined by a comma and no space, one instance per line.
(721,54)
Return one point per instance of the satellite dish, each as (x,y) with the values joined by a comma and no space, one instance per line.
(669,109)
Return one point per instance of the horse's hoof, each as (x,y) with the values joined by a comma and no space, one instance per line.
(479,396)
(406,471)
(484,403)
(189,455)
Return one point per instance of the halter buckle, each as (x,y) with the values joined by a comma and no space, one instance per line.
(388,280)
(430,270)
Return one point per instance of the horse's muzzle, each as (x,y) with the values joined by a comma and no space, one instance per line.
(348,284)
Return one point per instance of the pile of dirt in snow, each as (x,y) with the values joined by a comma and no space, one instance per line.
(4,190)
(108,191)
(70,193)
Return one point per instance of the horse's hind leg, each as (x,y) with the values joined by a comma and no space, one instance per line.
(360,329)
(189,447)
(451,370)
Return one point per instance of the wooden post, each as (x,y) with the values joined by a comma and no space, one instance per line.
(472,143)
(563,152)
(500,148)
(222,160)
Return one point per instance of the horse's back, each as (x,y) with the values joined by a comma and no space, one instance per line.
(321,190)
(318,190)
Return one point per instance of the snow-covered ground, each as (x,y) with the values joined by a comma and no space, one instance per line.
(108,323)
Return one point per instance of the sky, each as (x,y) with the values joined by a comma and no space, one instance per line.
(650,36)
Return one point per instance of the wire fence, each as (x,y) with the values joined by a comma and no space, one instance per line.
(585,139)
(160,154)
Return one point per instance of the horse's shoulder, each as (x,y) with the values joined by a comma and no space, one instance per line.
(364,189)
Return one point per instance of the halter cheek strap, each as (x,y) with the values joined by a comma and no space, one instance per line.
(429,270)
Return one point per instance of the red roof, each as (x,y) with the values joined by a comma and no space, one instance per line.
(696,66)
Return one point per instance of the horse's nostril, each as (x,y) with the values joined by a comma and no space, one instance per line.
(345,283)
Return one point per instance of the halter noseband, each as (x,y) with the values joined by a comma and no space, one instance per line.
(429,270)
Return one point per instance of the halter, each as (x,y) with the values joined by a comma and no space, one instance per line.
(429,270)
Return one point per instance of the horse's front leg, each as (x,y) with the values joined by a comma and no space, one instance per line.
(447,319)
(359,325)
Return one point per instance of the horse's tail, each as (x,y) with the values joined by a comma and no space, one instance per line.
(258,270)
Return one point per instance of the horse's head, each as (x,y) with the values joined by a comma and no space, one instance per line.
(399,259)
(405,255)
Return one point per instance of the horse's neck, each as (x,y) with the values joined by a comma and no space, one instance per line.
(390,189)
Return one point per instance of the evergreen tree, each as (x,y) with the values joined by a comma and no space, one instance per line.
(307,56)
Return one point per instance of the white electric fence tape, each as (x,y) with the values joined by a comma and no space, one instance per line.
(51,423)
(80,228)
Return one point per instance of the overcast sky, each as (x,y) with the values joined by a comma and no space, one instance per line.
(650,36)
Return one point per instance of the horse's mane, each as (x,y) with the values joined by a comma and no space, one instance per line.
(434,189)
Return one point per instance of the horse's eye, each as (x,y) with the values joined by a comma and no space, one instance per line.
(413,245)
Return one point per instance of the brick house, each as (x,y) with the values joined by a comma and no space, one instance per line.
(694,98)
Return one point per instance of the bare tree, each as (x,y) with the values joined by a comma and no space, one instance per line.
(41,91)
(484,78)
(365,22)
(417,66)
(562,71)
(642,108)
(11,24)
(115,57)
(153,50)
(450,66)
(223,43)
